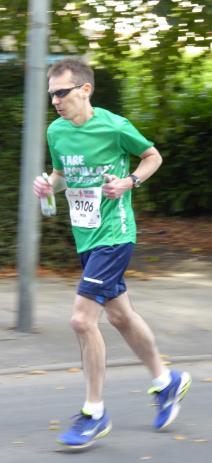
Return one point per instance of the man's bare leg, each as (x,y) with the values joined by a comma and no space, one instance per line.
(84,321)
(93,421)
(136,332)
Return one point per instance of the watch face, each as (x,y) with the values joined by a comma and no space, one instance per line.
(136,181)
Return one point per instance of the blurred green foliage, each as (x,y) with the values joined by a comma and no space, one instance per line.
(177,116)
(164,91)
(69,31)
(11,84)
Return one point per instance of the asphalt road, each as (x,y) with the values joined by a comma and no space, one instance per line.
(33,404)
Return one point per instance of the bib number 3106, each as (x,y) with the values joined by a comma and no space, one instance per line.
(84,204)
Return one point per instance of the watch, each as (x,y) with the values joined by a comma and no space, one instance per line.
(136,180)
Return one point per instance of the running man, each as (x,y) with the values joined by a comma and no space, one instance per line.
(90,149)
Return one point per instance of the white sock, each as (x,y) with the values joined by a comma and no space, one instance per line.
(95,409)
(163,380)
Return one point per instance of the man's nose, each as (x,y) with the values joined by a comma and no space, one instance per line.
(55,100)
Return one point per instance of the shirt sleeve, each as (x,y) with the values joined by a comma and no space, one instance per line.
(132,141)
(56,162)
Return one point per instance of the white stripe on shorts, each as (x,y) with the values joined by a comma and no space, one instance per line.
(92,280)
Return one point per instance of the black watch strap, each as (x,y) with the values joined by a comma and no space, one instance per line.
(136,180)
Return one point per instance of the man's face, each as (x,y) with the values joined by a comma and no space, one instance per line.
(74,103)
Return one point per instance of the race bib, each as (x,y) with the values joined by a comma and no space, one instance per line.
(84,205)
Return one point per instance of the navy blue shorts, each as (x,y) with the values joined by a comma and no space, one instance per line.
(103,270)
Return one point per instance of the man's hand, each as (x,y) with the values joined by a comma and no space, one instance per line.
(114,187)
(41,187)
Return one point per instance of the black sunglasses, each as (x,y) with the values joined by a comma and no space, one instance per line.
(63,91)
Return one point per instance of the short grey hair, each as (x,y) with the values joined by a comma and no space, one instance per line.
(81,72)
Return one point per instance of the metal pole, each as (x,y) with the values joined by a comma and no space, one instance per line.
(33,147)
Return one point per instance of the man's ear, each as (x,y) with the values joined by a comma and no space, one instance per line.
(87,89)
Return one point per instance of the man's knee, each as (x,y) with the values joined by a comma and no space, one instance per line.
(79,323)
(85,315)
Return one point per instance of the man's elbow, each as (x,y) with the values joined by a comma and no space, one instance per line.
(154,154)
(159,160)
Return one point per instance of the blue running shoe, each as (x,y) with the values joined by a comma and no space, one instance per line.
(168,399)
(84,431)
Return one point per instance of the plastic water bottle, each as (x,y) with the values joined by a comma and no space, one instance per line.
(48,203)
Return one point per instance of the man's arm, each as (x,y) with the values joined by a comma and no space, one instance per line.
(150,163)
(56,183)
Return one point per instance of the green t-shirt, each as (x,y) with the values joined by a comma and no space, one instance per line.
(83,153)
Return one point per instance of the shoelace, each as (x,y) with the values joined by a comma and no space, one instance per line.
(157,401)
(78,421)
(156,394)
